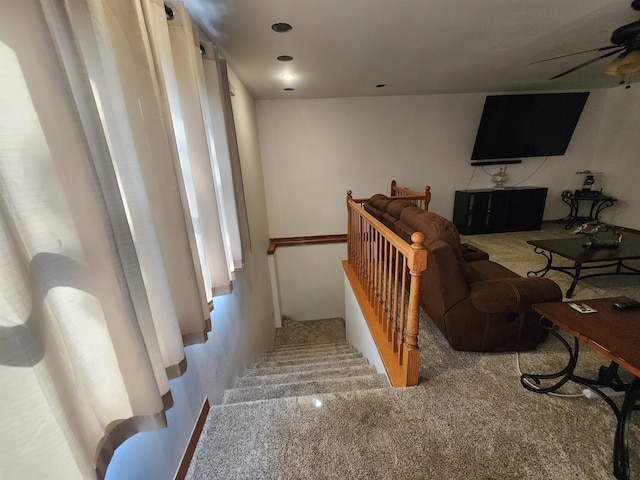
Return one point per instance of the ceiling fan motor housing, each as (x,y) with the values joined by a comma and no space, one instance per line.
(627,35)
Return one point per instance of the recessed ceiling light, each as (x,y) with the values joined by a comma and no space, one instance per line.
(381,85)
(285,58)
(281,27)
(288,76)
(288,89)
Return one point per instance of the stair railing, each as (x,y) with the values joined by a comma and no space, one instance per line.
(384,272)
(420,200)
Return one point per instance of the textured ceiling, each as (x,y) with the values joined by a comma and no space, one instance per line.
(344,48)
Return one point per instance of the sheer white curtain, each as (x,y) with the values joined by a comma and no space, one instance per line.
(101,277)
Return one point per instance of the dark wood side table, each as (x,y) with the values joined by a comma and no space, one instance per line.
(616,335)
(598,200)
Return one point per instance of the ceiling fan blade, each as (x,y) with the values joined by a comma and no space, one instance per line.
(588,62)
(608,47)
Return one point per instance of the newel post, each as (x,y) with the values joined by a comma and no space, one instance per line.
(411,351)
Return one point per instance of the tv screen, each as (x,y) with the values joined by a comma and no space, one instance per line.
(529,125)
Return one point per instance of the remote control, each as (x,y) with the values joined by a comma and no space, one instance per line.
(630,305)
(582,307)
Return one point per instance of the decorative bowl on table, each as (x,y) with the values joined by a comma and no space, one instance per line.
(599,235)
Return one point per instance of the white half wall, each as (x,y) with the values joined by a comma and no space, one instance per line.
(357,330)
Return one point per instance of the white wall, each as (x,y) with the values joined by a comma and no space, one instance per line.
(618,155)
(242,329)
(314,150)
(311,286)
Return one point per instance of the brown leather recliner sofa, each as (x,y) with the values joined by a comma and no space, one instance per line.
(477,304)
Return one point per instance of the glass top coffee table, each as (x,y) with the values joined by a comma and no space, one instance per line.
(597,258)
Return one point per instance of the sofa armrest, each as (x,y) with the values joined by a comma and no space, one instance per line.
(506,295)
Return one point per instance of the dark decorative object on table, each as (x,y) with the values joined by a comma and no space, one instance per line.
(599,235)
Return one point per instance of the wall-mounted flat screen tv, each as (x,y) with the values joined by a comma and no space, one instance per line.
(529,125)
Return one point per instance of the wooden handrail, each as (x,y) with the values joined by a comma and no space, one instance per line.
(384,272)
(306,240)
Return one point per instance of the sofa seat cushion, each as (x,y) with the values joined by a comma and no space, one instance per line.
(482,270)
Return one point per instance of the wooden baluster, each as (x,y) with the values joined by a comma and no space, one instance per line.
(403,304)
(395,309)
(380,296)
(361,254)
(388,298)
(376,286)
(371,234)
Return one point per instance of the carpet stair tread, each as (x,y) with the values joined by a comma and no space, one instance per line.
(312,387)
(353,371)
(329,363)
(308,352)
(307,346)
(308,355)
(325,397)
(306,360)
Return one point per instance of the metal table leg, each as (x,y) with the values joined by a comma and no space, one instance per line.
(607,377)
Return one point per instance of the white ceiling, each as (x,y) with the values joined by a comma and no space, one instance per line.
(344,48)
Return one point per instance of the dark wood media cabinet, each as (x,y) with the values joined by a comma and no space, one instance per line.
(499,210)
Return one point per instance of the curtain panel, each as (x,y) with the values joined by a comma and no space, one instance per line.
(111,244)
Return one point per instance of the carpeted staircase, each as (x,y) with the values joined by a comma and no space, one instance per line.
(310,365)
(306,369)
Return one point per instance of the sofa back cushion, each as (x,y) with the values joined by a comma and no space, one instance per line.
(395,207)
(377,205)
(405,230)
(434,227)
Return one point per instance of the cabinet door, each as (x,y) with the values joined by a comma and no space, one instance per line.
(478,219)
(525,210)
(470,212)
(498,211)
